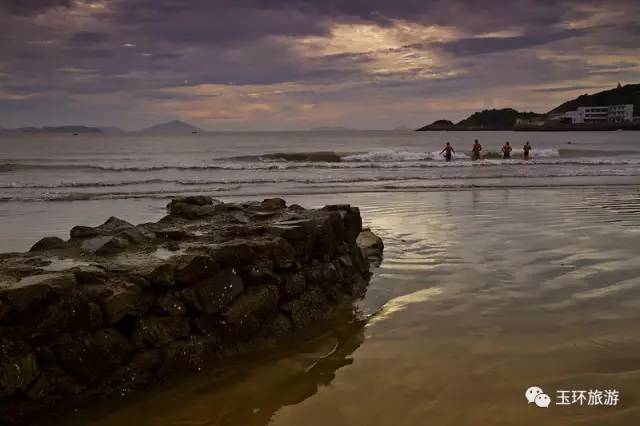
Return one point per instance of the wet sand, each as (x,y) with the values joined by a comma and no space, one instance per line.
(481,295)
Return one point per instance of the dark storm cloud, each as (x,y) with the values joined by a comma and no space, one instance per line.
(479,46)
(147,50)
(565,89)
(87,38)
(32,7)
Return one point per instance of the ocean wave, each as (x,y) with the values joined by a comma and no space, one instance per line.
(457,162)
(410,186)
(336,180)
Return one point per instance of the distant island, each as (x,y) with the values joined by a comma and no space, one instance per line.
(560,118)
(174,127)
(53,129)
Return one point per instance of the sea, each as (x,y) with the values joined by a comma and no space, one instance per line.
(498,275)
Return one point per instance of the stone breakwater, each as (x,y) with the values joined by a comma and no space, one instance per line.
(119,307)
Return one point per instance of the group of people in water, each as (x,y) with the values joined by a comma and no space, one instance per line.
(476,150)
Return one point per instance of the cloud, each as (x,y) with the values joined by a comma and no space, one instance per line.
(282,62)
(33,7)
(88,38)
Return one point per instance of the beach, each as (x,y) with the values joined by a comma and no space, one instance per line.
(497,275)
(481,294)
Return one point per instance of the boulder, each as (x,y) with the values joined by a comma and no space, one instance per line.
(126,301)
(218,291)
(273,204)
(49,243)
(294,284)
(103,245)
(158,331)
(18,365)
(170,305)
(163,275)
(371,244)
(90,275)
(34,291)
(194,268)
(89,357)
(284,255)
(254,308)
(307,308)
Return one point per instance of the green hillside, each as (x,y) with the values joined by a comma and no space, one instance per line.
(494,119)
(628,94)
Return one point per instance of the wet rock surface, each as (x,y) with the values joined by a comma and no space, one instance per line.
(119,307)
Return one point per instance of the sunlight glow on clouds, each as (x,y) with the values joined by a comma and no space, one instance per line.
(252,64)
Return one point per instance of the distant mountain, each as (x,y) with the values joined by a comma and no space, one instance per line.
(172,127)
(113,130)
(628,94)
(438,125)
(494,119)
(331,129)
(53,129)
(488,119)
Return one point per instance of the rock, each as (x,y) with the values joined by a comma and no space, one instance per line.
(192,207)
(90,357)
(351,219)
(170,305)
(103,245)
(371,244)
(163,275)
(34,291)
(49,243)
(284,254)
(218,291)
(294,284)
(234,253)
(307,308)
(193,269)
(83,232)
(255,307)
(126,301)
(330,274)
(186,355)
(191,300)
(94,316)
(18,365)
(273,204)
(114,226)
(124,312)
(40,388)
(360,261)
(260,272)
(197,200)
(90,275)
(314,273)
(158,331)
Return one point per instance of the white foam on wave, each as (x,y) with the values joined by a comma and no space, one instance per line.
(398,156)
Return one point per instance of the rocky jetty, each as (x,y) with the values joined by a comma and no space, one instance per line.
(119,307)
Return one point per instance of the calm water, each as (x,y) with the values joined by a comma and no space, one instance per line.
(482,294)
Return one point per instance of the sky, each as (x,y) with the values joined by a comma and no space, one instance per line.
(299,64)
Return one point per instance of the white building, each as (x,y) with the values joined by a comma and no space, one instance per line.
(601,114)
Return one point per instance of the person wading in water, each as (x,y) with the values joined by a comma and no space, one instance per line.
(506,151)
(448,150)
(526,149)
(476,150)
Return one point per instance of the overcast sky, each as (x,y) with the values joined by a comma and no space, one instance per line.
(296,64)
